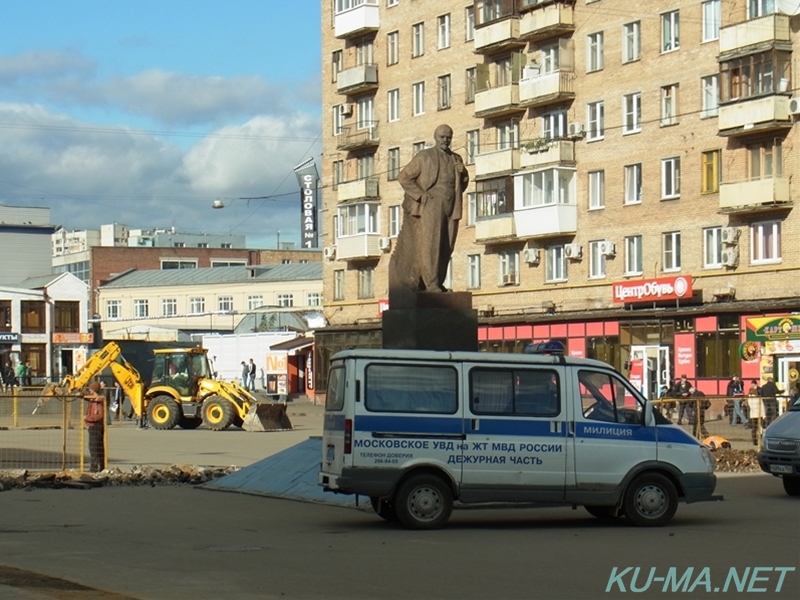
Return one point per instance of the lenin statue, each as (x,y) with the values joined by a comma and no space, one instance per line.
(433,182)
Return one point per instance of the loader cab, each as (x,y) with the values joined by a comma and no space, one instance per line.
(181,369)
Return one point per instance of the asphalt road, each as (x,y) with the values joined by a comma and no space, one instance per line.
(174,543)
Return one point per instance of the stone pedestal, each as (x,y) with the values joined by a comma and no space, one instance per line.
(432,321)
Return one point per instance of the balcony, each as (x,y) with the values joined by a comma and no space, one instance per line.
(498,101)
(357,137)
(498,36)
(547,89)
(546,152)
(759,115)
(358,20)
(497,228)
(498,162)
(763,31)
(360,189)
(755,195)
(546,220)
(358,247)
(362,78)
(546,22)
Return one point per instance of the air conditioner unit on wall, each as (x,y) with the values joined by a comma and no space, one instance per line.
(730,256)
(572,250)
(729,235)
(794,106)
(385,243)
(575,129)
(329,252)
(607,248)
(509,278)
(531,256)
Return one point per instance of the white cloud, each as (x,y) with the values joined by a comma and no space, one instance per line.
(43,65)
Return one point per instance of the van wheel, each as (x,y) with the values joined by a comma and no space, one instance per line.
(423,502)
(217,413)
(163,412)
(384,509)
(650,500)
(791,485)
(603,512)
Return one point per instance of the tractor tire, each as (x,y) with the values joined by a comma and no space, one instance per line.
(423,502)
(163,412)
(650,500)
(217,413)
(190,422)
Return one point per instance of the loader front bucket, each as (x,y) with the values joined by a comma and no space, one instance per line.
(264,416)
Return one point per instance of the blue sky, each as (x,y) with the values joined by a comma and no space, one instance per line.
(145,112)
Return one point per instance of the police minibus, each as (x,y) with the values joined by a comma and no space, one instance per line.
(417,430)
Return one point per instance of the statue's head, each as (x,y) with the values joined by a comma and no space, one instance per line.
(443,136)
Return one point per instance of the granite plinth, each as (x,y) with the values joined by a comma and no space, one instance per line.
(436,321)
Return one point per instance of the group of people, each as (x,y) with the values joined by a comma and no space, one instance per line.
(16,377)
(693,412)
(249,375)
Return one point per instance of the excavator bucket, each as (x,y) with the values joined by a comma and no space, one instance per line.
(264,416)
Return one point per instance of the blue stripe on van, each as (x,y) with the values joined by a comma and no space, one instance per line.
(518,427)
(404,424)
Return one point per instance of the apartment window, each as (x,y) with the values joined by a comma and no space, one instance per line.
(669,104)
(33,316)
(228,263)
(765,242)
(760,8)
(417,39)
(418,107)
(473,145)
(712,18)
(169,307)
(337,64)
(670,39)
(472,208)
(548,186)
(358,219)
(393,48)
(338,173)
(554,125)
(444,92)
(66,317)
(226,245)
(711,174)
(494,196)
(366,165)
(597,189)
(394,105)
(365,287)
(225,304)
(394,220)
(555,264)
(469,20)
(631,41)
(338,284)
(632,117)
(313,299)
(338,119)
(597,259)
(178,264)
(509,268)
(417,146)
(141,309)
(443,29)
(507,135)
(471,86)
(766,160)
(548,57)
(179,245)
(594,52)
(5,315)
(671,247)
(365,52)
(633,183)
(712,247)
(285,300)
(473,271)
(595,117)
(633,255)
(710,98)
(253,302)
(755,75)
(197,305)
(392,2)
(202,244)
(366,113)
(670,177)
(394,164)
(113,310)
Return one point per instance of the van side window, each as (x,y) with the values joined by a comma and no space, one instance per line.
(605,397)
(411,388)
(335,398)
(531,392)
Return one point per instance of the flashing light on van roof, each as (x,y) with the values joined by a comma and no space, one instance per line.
(551,347)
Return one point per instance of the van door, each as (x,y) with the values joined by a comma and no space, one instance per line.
(515,428)
(608,435)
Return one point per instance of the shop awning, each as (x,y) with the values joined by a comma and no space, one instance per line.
(292,347)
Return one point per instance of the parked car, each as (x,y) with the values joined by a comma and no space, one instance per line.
(780,449)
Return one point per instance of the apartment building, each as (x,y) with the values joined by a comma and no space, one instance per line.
(630,174)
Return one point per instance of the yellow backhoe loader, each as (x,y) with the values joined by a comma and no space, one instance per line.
(182,392)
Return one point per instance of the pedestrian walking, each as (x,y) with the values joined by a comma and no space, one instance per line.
(251,376)
(735,391)
(755,410)
(769,395)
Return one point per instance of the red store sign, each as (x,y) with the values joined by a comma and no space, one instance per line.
(652,290)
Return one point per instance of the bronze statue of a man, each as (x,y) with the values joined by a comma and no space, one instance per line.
(434,182)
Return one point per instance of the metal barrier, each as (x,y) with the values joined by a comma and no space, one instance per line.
(705,416)
(39,433)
